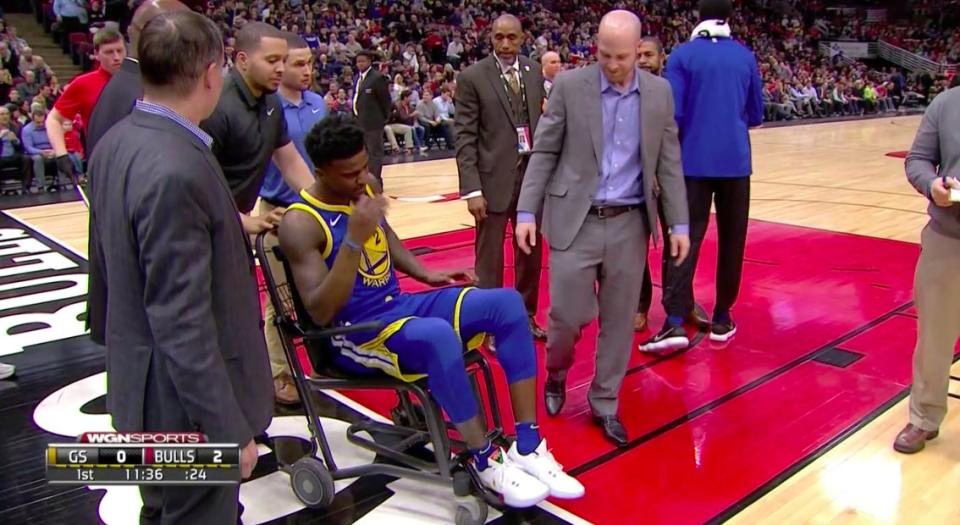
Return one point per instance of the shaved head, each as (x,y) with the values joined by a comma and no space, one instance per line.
(621,24)
(551,64)
(618,44)
(508,20)
(507,36)
(146,12)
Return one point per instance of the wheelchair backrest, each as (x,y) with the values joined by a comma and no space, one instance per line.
(292,318)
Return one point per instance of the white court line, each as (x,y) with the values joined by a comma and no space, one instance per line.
(337,396)
(545,505)
(45,234)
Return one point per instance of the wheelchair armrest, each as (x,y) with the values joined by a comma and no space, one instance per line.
(328,333)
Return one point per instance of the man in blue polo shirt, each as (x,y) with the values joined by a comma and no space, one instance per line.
(302,109)
(718,93)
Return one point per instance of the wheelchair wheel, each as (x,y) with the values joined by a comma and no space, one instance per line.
(471,512)
(312,483)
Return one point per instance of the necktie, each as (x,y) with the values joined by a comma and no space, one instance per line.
(513,81)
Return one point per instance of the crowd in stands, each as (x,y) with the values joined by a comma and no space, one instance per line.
(424,44)
(28,89)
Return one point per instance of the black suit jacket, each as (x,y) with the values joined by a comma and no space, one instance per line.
(184,334)
(373,101)
(115,102)
(487,155)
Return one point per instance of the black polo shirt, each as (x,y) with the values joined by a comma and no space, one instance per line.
(246,131)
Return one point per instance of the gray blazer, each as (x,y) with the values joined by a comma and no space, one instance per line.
(486,133)
(184,334)
(936,152)
(565,167)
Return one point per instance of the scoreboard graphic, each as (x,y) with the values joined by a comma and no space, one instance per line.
(143,459)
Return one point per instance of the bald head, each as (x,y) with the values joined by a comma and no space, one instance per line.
(507,36)
(621,24)
(618,44)
(146,12)
(551,64)
(508,20)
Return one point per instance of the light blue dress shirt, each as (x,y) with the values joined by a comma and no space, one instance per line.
(621,170)
(300,120)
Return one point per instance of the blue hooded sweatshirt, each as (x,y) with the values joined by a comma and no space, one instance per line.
(718,96)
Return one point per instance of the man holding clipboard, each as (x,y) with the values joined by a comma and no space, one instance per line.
(498,105)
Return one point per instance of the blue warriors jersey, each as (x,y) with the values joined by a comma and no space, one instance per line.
(377,282)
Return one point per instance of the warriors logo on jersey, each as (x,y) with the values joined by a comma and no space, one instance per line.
(375,260)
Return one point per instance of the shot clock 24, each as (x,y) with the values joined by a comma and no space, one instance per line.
(101,458)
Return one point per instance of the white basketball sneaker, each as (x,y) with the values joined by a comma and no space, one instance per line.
(541,465)
(6,371)
(519,489)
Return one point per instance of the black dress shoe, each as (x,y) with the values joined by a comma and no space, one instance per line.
(612,429)
(538,333)
(554,395)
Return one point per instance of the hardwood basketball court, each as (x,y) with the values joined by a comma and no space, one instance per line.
(835,178)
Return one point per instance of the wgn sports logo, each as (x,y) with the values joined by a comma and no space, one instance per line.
(268,497)
(375,260)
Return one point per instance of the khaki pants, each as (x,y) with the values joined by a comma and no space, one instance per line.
(278,360)
(937,295)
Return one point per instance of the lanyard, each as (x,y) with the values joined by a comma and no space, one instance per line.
(506,84)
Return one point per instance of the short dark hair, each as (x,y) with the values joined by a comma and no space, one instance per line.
(715,9)
(295,41)
(249,38)
(336,137)
(106,35)
(176,48)
(655,41)
(372,55)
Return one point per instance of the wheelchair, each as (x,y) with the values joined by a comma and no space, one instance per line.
(418,420)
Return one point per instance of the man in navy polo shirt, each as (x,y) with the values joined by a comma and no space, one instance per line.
(302,109)
(718,93)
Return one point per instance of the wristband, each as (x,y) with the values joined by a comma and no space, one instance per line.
(352,244)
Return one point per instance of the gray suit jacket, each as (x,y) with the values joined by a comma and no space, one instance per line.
(184,335)
(485,127)
(565,167)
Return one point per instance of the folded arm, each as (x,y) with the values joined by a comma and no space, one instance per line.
(923,161)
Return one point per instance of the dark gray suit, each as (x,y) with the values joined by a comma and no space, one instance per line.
(584,249)
(185,348)
(485,122)
(373,109)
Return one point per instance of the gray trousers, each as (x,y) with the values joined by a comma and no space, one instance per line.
(598,276)
(936,292)
(214,505)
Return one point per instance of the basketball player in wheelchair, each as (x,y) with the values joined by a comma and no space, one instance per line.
(343,254)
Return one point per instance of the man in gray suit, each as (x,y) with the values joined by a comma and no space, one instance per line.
(607,139)
(499,100)
(933,166)
(185,351)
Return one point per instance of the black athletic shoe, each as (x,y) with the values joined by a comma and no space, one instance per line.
(669,338)
(723,332)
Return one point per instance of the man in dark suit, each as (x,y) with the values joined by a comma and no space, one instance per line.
(115,102)
(371,104)
(185,351)
(498,105)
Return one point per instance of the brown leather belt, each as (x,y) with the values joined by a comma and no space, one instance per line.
(609,212)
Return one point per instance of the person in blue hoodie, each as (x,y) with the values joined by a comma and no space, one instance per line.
(718,93)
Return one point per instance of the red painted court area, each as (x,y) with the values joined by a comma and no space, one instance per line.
(826,334)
